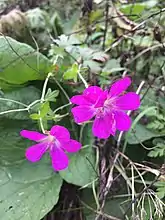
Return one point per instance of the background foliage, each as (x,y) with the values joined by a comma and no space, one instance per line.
(95,43)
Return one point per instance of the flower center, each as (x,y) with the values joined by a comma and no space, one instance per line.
(53,142)
(50,138)
(109,106)
(109,103)
(100,112)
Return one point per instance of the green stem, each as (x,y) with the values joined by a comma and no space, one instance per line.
(10,100)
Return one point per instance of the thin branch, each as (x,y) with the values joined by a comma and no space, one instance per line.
(106,23)
(108,217)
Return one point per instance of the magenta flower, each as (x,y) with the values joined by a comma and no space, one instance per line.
(108,107)
(57,141)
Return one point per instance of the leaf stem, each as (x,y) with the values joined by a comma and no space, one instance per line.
(44,92)
(14,110)
(61,107)
(10,100)
(81,77)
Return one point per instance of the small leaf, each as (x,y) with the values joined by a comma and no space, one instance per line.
(71,73)
(45,108)
(160,189)
(158,151)
(64,41)
(51,95)
(35,116)
(95,15)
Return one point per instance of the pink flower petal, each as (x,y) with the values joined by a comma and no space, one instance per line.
(72,146)
(32,135)
(119,86)
(93,93)
(129,101)
(80,100)
(104,126)
(123,121)
(61,133)
(95,90)
(60,160)
(35,152)
(89,96)
(102,98)
(82,113)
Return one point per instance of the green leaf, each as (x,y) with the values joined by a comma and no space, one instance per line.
(64,41)
(72,73)
(81,169)
(45,108)
(95,15)
(141,134)
(134,9)
(28,190)
(72,22)
(37,19)
(20,63)
(111,66)
(12,151)
(28,201)
(160,189)
(24,95)
(87,137)
(146,41)
(158,151)
(35,116)
(94,66)
(51,95)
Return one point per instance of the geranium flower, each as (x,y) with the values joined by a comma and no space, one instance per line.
(57,141)
(108,107)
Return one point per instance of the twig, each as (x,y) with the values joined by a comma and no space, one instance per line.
(108,217)
(145,51)
(81,77)
(140,194)
(150,16)
(106,22)
(43,99)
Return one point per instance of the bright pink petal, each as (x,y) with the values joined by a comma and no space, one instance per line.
(83,113)
(80,100)
(32,135)
(129,101)
(103,127)
(120,86)
(102,98)
(93,93)
(123,121)
(35,152)
(89,96)
(60,160)
(72,146)
(61,133)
